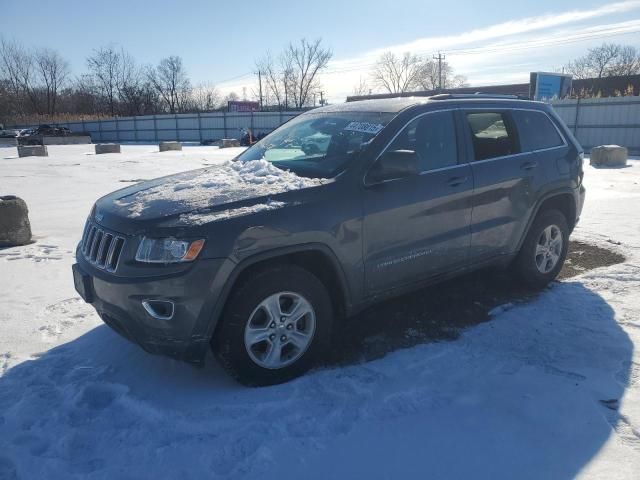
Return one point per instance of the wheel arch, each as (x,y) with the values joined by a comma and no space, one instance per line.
(317,258)
(562,200)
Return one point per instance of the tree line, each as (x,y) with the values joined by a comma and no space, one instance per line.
(36,84)
(607,60)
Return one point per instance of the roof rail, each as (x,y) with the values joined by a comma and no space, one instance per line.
(450,96)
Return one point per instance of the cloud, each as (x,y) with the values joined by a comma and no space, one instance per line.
(500,30)
(500,45)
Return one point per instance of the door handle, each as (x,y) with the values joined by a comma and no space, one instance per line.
(455,181)
(529,165)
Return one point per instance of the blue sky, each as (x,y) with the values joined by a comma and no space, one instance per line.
(499,42)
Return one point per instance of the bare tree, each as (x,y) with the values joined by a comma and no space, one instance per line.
(205,98)
(602,59)
(429,76)
(609,59)
(133,90)
(17,69)
(119,81)
(457,81)
(627,62)
(83,97)
(231,97)
(307,59)
(397,74)
(104,66)
(53,71)
(272,76)
(361,88)
(170,80)
(287,77)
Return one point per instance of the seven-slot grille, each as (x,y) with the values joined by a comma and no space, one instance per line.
(101,248)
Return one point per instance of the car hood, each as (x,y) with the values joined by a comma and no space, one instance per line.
(197,195)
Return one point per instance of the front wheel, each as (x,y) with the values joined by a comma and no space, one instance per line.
(275,326)
(544,249)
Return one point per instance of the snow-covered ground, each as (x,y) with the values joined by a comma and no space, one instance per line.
(546,389)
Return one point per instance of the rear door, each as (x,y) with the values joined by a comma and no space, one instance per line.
(544,148)
(503,179)
(417,227)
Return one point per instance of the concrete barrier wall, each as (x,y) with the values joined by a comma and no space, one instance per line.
(8,142)
(32,151)
(70,140)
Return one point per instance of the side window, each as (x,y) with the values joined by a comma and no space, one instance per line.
(536,131)
(491,135)
(433,138)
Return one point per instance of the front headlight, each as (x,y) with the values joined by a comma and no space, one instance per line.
(168,250)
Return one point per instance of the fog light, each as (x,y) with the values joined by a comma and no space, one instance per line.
(159,309)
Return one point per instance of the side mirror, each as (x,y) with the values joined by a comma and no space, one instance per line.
(394,164)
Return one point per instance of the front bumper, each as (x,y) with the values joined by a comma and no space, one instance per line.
(194,294)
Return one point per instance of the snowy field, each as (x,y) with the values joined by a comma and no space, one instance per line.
(548,389)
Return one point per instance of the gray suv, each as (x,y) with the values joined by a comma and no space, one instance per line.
(260,258)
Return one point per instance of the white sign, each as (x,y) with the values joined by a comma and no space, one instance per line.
(364,127)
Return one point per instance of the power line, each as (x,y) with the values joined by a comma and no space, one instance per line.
(537,43)
(497,49)
(474,51)
(234,78)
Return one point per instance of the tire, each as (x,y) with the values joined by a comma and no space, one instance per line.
(536,264)
(250,315)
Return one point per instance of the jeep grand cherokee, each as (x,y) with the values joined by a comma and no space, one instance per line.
(341,207)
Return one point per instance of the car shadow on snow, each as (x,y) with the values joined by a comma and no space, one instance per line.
(532,394)
(442,311)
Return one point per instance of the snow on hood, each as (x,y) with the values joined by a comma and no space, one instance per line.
(200,218)
(230,181)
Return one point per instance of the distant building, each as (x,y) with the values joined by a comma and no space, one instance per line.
(606,87)
(242,106)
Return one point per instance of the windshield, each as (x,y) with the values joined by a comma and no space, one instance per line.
(319,144)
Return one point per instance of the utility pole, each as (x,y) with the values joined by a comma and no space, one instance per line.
(321,98)
(440,58)
(260,88)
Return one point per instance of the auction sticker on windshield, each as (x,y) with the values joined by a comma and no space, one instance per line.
(364,127)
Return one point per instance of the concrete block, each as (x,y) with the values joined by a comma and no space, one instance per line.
(609,156)
(32,151)
(107,148)
(166,146)
(69,140)
(15,228)
(229,142)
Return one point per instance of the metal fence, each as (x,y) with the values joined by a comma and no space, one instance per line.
(603,121)
(594,121)
(187,127)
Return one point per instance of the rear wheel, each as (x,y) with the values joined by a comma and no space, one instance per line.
(275,325)
(544,249)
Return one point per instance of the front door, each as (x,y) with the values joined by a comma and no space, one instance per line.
(419,226)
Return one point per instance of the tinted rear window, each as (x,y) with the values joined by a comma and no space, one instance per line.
(536,131)
(491,134)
